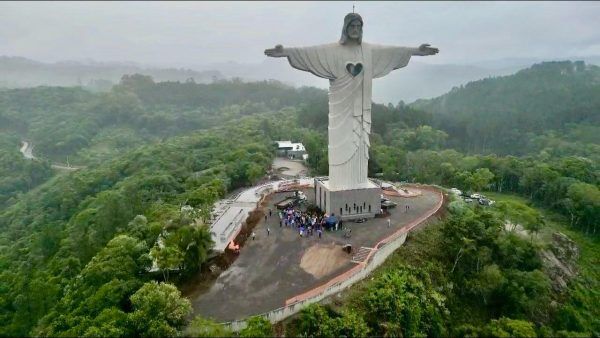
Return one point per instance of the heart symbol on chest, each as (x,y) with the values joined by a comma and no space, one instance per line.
(354,69)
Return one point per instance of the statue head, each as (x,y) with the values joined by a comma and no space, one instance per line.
(352,29)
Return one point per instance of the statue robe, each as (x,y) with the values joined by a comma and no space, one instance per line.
(349,100)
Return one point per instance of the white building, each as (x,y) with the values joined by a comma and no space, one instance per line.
(291,150)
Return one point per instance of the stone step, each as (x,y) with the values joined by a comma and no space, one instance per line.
(361,255)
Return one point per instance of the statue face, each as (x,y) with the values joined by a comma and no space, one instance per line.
(354,30)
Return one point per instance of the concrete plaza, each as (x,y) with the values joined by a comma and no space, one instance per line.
(277,266)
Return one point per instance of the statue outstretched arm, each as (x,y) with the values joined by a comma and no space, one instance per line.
(424,50)
(387,58)
(318,60)
(276,52)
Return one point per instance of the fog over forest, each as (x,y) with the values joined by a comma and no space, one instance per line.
(476,40)
(160,176)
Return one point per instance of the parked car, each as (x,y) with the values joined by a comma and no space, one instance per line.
(456,191)
(386,186)
(485,201)
(475,196)
(300,195)
(468,200)
(388,204)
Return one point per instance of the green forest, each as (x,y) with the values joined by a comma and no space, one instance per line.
(76,246)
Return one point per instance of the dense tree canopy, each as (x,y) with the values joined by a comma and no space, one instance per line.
(77,249)
(502,114)
(78,215)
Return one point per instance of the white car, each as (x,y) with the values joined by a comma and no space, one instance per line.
(485,201)
(301,196)
(475,196)
(468,200)
(456,191)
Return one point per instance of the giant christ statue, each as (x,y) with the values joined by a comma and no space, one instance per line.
(350,65)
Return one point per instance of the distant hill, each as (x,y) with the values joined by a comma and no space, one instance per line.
(417,81)
(501,114)
(19,72)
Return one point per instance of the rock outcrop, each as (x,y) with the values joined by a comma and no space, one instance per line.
(560,260)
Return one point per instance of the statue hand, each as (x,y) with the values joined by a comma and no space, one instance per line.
(425,50)
(276,52)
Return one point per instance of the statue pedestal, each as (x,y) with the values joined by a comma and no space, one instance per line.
(348,203)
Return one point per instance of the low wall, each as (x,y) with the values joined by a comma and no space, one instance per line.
(381,252)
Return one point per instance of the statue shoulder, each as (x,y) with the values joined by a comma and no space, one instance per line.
(318,48)
(374,46)
(332,46)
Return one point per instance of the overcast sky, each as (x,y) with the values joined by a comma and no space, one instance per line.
(185,34)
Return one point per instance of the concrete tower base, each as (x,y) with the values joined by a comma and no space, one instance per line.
(348,203)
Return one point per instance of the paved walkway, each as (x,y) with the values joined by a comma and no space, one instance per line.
(268,270)
(231,213)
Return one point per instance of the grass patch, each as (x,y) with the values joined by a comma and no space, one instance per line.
(507,198)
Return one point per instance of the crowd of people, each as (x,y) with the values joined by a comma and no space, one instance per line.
(307,224)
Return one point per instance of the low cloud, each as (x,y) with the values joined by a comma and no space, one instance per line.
(185,34)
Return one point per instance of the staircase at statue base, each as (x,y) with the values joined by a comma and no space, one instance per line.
(361,255)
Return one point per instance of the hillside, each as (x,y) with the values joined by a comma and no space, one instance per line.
(74,247)
(19,72)
(61,121)
(77,215)
(502,115)
(418,80)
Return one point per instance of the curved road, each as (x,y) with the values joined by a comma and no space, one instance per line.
(27,151)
